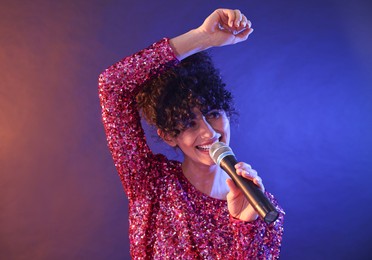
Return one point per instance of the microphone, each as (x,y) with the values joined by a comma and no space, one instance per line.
(223,156)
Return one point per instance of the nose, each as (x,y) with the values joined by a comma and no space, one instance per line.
(207,131)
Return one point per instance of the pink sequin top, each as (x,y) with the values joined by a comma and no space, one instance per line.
(169,218)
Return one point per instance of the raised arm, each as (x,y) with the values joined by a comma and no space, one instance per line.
(118,86)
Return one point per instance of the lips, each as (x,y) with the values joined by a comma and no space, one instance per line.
(207,146)
(204,148)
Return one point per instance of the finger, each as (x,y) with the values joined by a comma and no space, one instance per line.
(234,190)
(243,165)
(231,17)
(243,34)
(238,17)
(249,23)
(244,169)
(249,174)
(245,22)
(259,183)
(257,180)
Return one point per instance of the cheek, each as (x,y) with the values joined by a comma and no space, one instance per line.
(185,139)
(225,125)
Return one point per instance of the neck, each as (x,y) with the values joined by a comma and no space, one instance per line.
(200,176)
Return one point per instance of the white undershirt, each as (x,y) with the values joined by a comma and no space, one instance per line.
(220,188)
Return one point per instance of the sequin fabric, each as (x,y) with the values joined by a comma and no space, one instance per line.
(168,217)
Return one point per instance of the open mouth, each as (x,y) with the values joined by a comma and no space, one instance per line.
(206,147)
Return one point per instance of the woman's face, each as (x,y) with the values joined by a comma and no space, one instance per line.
(204,130)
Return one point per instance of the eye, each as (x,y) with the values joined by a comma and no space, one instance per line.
(214,114)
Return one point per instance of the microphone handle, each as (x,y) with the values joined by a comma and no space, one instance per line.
(252,192)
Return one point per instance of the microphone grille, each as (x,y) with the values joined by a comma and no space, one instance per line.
(218,151)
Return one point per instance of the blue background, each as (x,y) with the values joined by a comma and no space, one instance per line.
(302,84)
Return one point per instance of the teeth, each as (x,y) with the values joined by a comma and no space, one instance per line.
(205,147)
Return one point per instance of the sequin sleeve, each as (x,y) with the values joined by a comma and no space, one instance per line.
(258,240)
(118,86)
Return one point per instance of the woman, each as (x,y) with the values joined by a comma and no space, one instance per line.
(183,210)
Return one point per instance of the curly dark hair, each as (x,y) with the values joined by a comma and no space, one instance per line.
(167,100)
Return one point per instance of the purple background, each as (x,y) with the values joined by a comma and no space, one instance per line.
(302,83)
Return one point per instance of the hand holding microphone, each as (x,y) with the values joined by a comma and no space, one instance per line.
(223,156)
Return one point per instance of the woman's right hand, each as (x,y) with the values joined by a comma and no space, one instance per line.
(222,27)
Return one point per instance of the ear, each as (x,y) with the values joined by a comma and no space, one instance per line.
(166,138)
